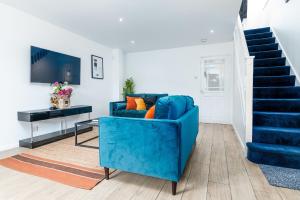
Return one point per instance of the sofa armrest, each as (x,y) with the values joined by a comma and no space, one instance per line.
(112,106)
(148,147)
(188,129)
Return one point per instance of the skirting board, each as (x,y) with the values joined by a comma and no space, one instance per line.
(9,146)
(240,139)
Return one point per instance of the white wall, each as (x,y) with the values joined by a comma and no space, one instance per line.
(254,14)
(18,32)
(118,65)
(177,71)
(284,19)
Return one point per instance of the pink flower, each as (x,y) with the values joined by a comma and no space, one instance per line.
(61,93)
(56,83)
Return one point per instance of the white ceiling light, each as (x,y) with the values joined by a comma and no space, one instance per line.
(132,42)
(212,31)
(121,19)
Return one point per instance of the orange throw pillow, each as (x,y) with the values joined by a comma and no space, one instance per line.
(131,105)
(140,104)
(150,113)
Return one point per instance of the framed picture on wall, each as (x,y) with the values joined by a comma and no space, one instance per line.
(97,67)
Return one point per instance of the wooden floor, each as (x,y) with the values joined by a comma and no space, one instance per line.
(216,170)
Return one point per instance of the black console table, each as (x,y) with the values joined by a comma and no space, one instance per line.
(45,114)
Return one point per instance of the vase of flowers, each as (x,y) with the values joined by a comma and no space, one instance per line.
(61,94)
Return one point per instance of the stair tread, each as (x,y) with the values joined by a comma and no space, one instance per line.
(275,148)
(257,45)
(255,34)
(276,113)
(281,76)
(277,87)
(271,67)
(282,129)
(258,52)
(257,30)
(260,39)
(263,87)
(266,59)
(274,99)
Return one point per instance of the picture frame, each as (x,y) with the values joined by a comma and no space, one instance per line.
(97,67)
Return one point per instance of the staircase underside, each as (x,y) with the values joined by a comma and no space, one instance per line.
(276,104)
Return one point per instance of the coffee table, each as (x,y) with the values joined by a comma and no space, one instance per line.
(90,123)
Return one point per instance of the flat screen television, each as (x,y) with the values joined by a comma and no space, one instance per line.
(50,66)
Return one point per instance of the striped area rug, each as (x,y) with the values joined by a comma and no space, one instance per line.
(65,173)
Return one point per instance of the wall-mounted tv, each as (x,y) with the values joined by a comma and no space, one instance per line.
(49,66)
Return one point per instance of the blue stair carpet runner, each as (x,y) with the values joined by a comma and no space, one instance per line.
(276,104)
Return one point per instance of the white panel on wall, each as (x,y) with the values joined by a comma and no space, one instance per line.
(18,32)
(178,71)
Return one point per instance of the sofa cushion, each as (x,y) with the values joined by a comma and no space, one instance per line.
(131,104)
(136,95)
(140,104)
(189,103)
(120,106)
(162,108)
(150,113)
(150,101)
(130,113)
(170,107)
(155,95)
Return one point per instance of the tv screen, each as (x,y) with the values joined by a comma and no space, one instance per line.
(49,66)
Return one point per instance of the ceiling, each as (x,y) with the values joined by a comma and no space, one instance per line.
(152,24)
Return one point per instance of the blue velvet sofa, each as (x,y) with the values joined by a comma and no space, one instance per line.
(153,147)
(118,108)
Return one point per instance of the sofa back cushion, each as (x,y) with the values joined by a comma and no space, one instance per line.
(150,101)
(135,95)
(149,98)
(172,107)
(189,103)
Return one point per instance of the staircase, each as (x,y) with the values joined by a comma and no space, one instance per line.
(276,104)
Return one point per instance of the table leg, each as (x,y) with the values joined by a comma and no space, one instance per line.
(61,126)
(76,135)
(31,132)
(66,127)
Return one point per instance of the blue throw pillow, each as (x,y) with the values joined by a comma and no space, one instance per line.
(162,108)
(177,107)
(170,107)
(189,103)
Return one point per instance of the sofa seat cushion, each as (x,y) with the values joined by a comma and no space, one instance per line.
(130,113)
(172,107)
